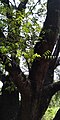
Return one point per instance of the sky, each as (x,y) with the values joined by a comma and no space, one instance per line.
(17,1)
(1,84)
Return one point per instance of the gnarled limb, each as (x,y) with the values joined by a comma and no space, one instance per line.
(16,74)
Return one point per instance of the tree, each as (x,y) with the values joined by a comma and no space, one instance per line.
(38,89)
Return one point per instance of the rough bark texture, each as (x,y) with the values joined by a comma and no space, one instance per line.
(38,89)
(41,74)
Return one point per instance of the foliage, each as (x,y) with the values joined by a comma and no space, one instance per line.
(21,30)
(53,107)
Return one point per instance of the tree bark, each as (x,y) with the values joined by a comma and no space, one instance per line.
(38,89)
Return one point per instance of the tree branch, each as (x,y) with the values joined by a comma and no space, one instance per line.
(35,4)
(44,97)
(14,70)
(52,64)
(57,62)
(49,35)
(16,75)
(22,5)
(5,2)
(1,34)
(50,29)
(52,88)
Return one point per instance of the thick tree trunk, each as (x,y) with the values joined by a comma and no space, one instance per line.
(9,100)
(36,92)
(40,67)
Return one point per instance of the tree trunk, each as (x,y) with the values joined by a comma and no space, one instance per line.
(9,104)
(37,91)
(34,106)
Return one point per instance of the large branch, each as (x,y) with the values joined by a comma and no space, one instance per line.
(20,80)
(51,26)
(43,68)
(52,64)
(16,75)
(44,98)
(48,39)
(51,89)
